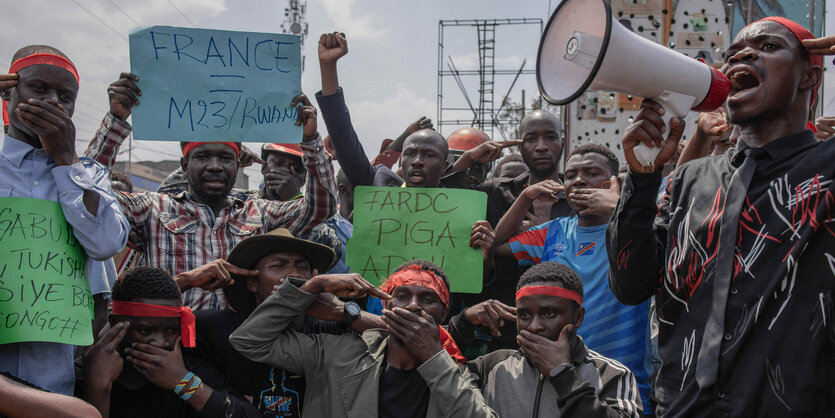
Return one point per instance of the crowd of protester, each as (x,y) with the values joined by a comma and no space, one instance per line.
(699,285)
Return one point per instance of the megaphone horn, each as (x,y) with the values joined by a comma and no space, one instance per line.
(583,47)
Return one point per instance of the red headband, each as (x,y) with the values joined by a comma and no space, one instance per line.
(187,328)
(801,34)
(549,291)
(192,145)
(36,59)
(415,276)
(449,345)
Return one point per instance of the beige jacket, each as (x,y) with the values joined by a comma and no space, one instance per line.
(343,371)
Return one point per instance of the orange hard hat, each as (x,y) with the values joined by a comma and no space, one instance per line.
(466,139)
(292,149)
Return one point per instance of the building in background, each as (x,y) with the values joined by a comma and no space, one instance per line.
(697,28)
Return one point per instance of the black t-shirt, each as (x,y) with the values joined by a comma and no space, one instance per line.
(403,394)
(149,401)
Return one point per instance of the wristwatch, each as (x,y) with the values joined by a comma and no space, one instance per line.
(350,313)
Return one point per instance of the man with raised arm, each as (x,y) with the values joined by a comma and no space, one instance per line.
(191,233)
(422,160)
(424,154)
(739,255)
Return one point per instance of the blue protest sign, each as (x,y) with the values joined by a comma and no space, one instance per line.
(213,85)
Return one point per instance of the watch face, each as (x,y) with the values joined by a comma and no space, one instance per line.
(352,308)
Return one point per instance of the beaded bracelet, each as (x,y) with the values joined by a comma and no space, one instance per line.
(183,382)
(195,383)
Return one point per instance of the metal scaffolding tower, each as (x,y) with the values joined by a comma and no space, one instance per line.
(486,115)
(486,63)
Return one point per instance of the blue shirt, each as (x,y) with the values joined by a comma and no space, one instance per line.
(610,328)
(28,172)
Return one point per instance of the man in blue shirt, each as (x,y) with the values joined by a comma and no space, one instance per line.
(611,328)
(38,161)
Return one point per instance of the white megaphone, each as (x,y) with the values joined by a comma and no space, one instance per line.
(584,48)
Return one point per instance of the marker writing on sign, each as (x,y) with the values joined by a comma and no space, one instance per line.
(20,226)
(227,112)
(413,202)
(415,233)
(48,261)
(43,320)
(265,53)
(381,266)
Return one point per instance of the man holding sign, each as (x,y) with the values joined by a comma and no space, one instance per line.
(393,225)
(423,161)
(209,85)
(191,233)
(48,258)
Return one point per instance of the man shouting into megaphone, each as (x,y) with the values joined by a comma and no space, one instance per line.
(740,255)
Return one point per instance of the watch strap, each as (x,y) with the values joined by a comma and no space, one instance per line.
(347,317)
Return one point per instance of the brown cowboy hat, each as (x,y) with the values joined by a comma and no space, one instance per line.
(248,252)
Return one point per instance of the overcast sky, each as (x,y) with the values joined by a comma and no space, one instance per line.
(389,75)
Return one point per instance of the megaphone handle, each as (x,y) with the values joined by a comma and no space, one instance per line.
(646,155)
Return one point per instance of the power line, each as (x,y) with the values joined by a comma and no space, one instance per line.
(124,13)
(100,20)
(181,13)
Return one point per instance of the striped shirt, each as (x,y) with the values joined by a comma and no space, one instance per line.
(181,234)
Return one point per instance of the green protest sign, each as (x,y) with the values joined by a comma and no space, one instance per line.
(395,224)
(44,293)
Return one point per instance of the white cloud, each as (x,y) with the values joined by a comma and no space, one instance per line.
(389,116)
(93,34)
(361,26)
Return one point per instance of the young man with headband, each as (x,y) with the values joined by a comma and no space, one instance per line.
(38,161)
(189,234)
(541,148)
(739,255)
(137,369)
(406,370)
(615,330)
(554,374)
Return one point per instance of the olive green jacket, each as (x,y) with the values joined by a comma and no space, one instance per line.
(343,371)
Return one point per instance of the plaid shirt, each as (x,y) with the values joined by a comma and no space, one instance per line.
(181,235)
